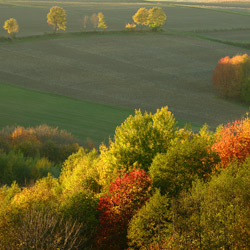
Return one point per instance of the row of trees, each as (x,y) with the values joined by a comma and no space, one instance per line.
(57,18)
(155,186)
(232,77)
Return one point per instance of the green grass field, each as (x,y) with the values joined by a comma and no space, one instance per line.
(24,107)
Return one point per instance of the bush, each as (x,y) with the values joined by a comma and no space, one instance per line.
(233,141)
(24,170)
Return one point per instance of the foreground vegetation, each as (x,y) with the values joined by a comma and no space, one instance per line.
(155,186)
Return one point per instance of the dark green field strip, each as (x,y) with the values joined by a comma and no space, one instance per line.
(24,107)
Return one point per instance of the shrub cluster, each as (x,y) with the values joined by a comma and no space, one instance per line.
(27,154)
(154,186)
(232,77)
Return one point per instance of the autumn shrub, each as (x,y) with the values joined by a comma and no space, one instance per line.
(130,27)
(126,196)
(44,193)
(231,77)
(187,158)
(41,141)
(233,141)
(79,173)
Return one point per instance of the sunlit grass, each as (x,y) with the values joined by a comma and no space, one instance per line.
(85,120)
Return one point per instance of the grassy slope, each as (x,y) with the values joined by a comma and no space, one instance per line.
(20,106)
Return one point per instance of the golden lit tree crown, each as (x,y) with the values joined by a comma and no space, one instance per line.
(102,23)
(11,26)
(141,16)
(156,17)
(57,18)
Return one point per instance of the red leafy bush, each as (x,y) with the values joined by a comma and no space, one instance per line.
(233,141)
(126,195)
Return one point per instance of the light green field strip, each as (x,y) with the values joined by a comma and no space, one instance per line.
(24,107)
(85,120)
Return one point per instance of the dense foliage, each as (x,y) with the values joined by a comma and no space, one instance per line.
(11,26)
(154,187)
(57,18)
(232,77)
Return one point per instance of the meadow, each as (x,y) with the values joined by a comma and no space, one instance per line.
(125,70)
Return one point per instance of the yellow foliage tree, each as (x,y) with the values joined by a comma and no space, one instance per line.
(57,18)
(156,18)
(102,23)
(141,16)
(11,26)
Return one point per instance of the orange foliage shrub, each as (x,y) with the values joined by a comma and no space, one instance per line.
(230,74)
(233,142)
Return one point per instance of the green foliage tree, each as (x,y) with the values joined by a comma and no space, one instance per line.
(186,159)
(139,139)
(11,26)
(156,18)
(215,215)
(152,224)
(57,18)
(141,17)
(102,22)
(79,173)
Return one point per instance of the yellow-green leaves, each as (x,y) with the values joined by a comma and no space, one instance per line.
(141,16)
(57,18)
(156,17)
(102,23)
(11,26)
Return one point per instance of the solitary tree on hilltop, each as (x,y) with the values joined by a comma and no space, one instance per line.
(156,18)
(57,18)
(11,26)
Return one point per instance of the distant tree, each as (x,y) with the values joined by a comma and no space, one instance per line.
(141,16)
(231,77)
(85,22)
(94,20)
(156,18)
(102,22)
(11,26)
(57,18)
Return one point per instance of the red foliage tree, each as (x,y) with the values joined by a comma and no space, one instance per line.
(233,142)
(230,74)
(126,195)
